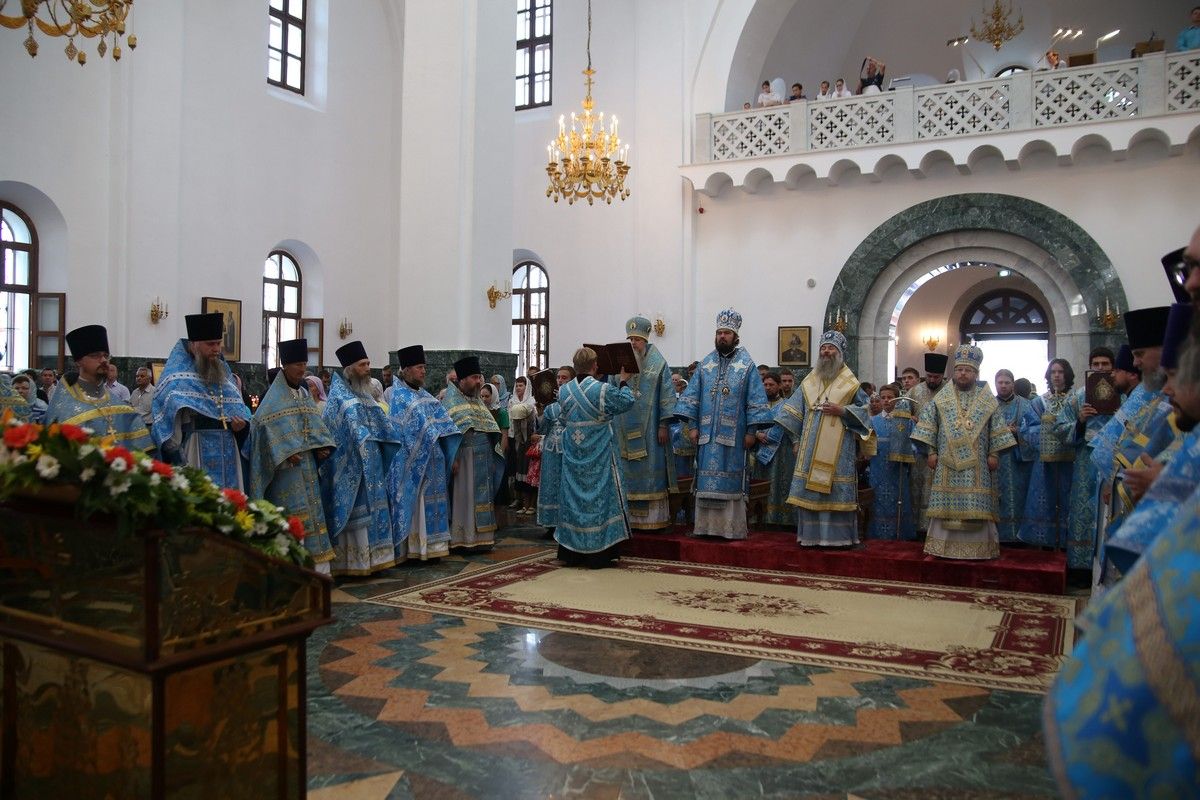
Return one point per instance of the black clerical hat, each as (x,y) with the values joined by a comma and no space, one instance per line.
(935,363)
(351,353)
(411,356)
(205,327)
(272,374)
(467,366)
(293,350)
(1125,360)
(1146,327)
(1177,331)
(87,340)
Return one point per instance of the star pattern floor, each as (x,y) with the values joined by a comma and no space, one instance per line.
(408,704)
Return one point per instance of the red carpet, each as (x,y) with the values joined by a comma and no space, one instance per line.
(1017,569)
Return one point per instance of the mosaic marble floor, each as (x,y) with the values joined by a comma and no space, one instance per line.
(406,704)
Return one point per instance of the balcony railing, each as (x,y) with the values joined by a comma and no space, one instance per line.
(1153,85)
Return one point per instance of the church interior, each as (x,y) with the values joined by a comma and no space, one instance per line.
(358,170)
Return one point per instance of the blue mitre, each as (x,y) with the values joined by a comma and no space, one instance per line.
(835,338)
(729,320)
(638,326)
(968,355)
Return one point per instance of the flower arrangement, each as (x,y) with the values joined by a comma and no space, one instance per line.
(137,490)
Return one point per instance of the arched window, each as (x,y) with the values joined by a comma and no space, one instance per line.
(1011,69)
(18,285)
(281,304)
(1004,314)
(531,316)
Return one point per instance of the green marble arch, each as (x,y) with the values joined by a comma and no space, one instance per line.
(1070,245)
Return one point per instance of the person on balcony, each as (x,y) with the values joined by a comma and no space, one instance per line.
(871,74)
(840,90)
(1189,37)
(768,97)
(826,93)
(797,93)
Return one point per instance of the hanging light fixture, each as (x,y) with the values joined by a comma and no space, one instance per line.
(585,160)
(996,28)
(71,18)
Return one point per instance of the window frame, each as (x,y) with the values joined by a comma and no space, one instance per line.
(985,331)
(281,283)
(29,289)
(286,19)
(530,45)
(526,321)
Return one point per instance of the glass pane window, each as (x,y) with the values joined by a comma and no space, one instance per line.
(18,285)
(286,44)
(535,27)
(530,316)
(282,302)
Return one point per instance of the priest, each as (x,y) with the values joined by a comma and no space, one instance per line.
(921,394)
(84,400)
(199,418)
(892,509)
(551,430)
(419,484)
(643,436)
(354,477)
(723,407)
(1016,463)
(962,434)
(779,471)
(826,419)
(478,466)
(288,442)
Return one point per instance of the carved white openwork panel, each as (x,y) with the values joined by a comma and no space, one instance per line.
(1183,81)
(1104,92)
(962,109)
(763,133)
(853,122)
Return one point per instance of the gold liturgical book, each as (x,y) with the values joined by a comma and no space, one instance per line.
(1101,393)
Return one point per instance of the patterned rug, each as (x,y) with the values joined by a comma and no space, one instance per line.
(978,637)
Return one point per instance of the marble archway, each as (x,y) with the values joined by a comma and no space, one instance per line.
(1056,254)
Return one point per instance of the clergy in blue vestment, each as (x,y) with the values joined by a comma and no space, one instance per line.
(199,417)
(962,436)
(1047,506)
(24,386)
(419,483)
(354,477)
(682,449)
(11,400)
(779,470)
(722,407)
(892,509)
(921,394)
(551,430)
(643,436)
(1134,396)
(1016,463)
(83,400)
(288,442)
(1121,718)
(824,419)
(591,515)
(478,468)
(1076,425)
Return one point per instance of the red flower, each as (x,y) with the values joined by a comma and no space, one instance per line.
(296,527)
(159,468)
(237,498)
(73,433)
(22,435)
(119,452)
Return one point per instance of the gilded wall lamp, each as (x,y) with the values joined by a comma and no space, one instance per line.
(494,294)
(158,311)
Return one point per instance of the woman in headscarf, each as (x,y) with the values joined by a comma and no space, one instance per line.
(523,422)
(490,395)
(503,394)
(316,390)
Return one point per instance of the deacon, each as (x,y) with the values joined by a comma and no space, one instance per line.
(591,517)
(892,508)
(1016,463)
(722,407)
(643,435)
(288,441)
(551,430)
(354,477)
(921,394)
(1047,505)
(419,485)
(826,419)
(479,465)
(84,400)
(779,471)
(962,435)
(199,417)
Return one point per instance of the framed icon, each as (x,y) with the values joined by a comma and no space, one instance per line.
(231,344)
(795,345)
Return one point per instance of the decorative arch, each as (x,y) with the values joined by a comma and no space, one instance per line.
(1049,249)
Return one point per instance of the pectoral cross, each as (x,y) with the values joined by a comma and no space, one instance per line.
(220,400)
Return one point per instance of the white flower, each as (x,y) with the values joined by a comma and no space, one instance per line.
(118,487)
(118,465)
(179,482)
(260,528)
(19,458)
(47,467)
(155,479)
(86,450)
(87,474)
(281,543)
(225,529)
(222,500)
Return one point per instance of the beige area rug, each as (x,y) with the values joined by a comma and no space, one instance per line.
(994,639)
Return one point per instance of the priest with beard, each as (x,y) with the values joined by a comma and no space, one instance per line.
(1016,463)
(84,399)
(642,434)
(779,471)
(199,418)
(921,394)
(825,419)
(478,467)
(961,434)
(354,478)
(288,442)
(419,485)
(723,408)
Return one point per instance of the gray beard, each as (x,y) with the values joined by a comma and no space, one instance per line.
(360,386)
(1155,381)
(828,368)
(209,369)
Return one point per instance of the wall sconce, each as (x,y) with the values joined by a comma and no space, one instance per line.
(931,340)
(158,311)
(494,294)
(1109,317)
(660,325)
(345,328)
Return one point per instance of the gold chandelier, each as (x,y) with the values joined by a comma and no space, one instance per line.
(71,18)
(996,28)
(587,161)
